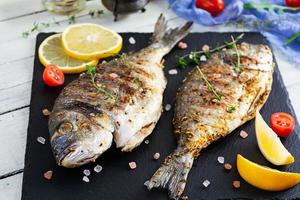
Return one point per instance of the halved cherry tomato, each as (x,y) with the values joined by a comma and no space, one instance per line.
(293,3)
(282,124)
(53,76)
(214,7)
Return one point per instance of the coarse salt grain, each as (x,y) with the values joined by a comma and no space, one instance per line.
(221,159)
(132,40)
(205,47)
(146,141)
(48,175)
(86,179)
(173,71)
(206,183)
(46,112)
(203,58)
(132,165)
(182,45)
(227,166)
(156,156)
(86,172)
(98,168)
(168,107)
(41,140)
(243,134)
(113,75)
(236,184)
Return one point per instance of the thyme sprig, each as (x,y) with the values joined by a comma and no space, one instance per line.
(194,56)
(91,70)
(237,65)
(217,95)
(263,5)
(95,13)
(35,28)
(293,38)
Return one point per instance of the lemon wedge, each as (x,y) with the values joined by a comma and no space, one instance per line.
(89,41)
(265,178)
(270,144)
(52,52)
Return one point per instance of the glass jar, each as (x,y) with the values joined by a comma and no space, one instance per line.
(65,7)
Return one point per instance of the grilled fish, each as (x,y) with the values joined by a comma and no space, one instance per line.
(121,100)
(201,117)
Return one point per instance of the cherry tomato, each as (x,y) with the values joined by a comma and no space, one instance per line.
(53,76)
(282,123)
(214,7)
(293,3)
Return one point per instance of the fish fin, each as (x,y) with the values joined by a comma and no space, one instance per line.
(167,37)
(138,138)
(172,174)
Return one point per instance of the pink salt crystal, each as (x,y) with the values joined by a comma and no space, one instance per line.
(156,156)
(182,45)
(132,165)
(243,134)
(205,47)
(48,175)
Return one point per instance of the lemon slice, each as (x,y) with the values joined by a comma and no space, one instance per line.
(265,178)
(270,144)
(52,52)
(89,41)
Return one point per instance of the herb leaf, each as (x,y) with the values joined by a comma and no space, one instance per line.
(230,109)
(237,65)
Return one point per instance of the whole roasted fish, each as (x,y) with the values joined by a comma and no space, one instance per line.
(216,98)
(120,99)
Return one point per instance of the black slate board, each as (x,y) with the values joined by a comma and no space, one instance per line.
(116,181)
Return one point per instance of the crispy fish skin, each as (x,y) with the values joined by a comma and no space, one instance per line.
(84,120)
(201,119)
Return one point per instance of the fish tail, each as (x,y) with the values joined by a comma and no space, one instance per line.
(172,174)
(168,37)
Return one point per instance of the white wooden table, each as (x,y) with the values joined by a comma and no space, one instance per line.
(16,65)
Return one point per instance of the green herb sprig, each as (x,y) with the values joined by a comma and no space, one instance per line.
(293,38)
(95,13)
(217,95)
(263,5)
(91,70)
(194,56)
(237,65)
(35,28)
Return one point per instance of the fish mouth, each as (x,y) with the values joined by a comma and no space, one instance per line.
(75,156)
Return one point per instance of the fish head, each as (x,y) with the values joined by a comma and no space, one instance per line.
(79,139)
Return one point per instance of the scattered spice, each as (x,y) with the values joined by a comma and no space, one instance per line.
(221,159)
(206,183)
(41,140)
(132,165)
(168,107)
(132,40)
(46,112)
(228,166)
(182,45)
(98,168)
(173,72)
(48,175)
(243,134)
(156,156)
(86,179)
(86,172)
(236,184)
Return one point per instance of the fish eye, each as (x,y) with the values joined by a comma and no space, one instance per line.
(65,128)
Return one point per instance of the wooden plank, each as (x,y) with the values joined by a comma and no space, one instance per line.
(11,8)
(10,188)
(13,135)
